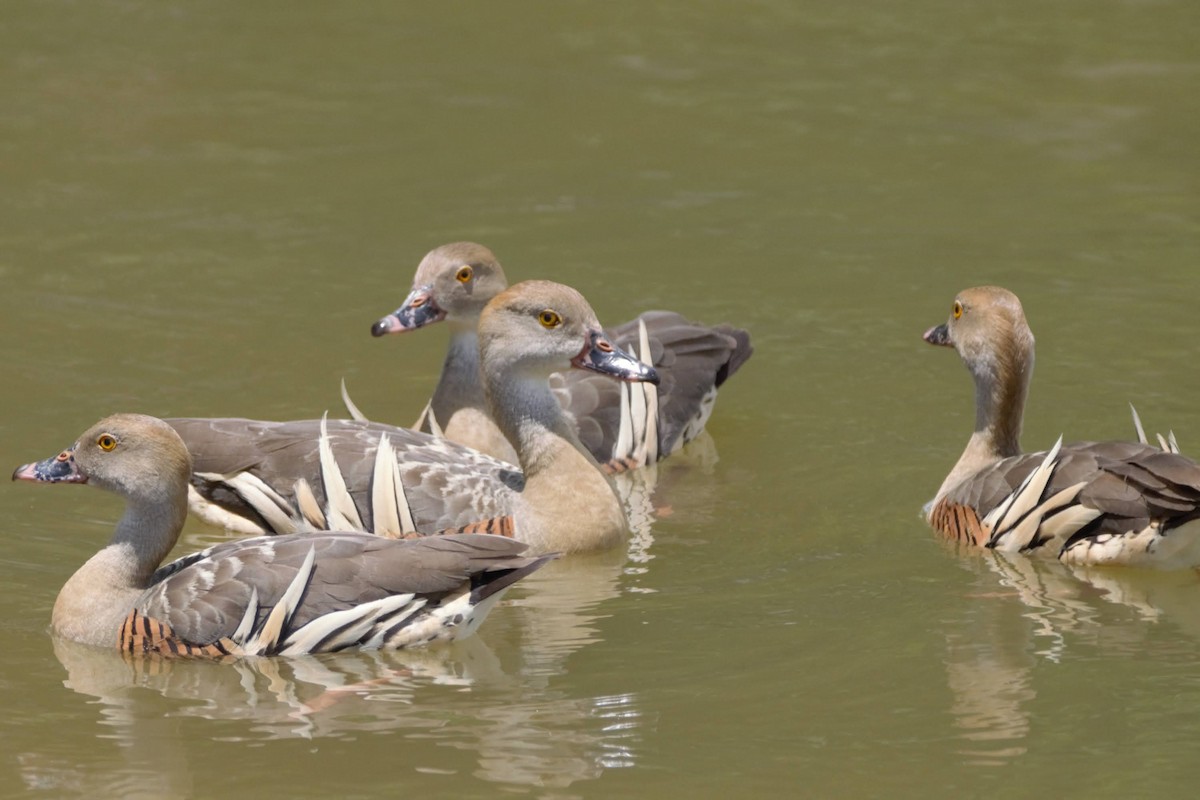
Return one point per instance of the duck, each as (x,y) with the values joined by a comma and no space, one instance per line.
(619,425)
(280,595)
(1087,503)
(258,476)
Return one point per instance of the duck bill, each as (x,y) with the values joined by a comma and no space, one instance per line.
(419,310)
(601,355)
(939,335)
(61,468)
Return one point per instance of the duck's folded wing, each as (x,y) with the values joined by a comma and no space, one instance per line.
(275,586)
(1093,488)
(445,485)
(692,361)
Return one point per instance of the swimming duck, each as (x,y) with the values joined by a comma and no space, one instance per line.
(268,475)
(1086,503)
(279,595)
(616,423)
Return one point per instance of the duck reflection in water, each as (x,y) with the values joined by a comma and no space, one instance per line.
(1060,612)
(502,707)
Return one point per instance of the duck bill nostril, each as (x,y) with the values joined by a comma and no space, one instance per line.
(419,310)
(600,355)
(61,468)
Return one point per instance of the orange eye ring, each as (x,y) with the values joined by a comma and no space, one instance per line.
(549,318)
(958,309)
(106,442)
(464,274)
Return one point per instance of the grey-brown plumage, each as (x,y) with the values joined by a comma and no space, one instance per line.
(255,476)
(447,485)
(1088,502)
(274,595)
(204,596)
(692,361)
(454,281)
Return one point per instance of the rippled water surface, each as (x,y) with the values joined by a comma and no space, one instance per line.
(204,206)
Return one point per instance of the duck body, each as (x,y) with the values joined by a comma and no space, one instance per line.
(1088,503)
(287,595)
(614,422)
(1083,503)
(261,477)
(446,485)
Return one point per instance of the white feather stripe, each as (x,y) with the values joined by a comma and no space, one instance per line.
(247,624)
(420,423)
(219,517)
(385,514)
(651,392)
(1027,494)
(1030,526)
(350,406)
(437,624)
(340,509)
(625,430)
(339,629)
(386,623)
(1162,443)
(245,485)
(1137,425)
(1173,442)
(406,518)
(1058,528)
(250,479)
(434,427)
(306,501)
(637,414)
(267,636)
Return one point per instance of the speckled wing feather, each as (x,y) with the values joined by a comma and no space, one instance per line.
(446,485)
(1125,485)
(692,362)
(204,597)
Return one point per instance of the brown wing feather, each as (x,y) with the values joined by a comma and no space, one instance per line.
(692,360)
(1131,484)
(204,601)
(447,485)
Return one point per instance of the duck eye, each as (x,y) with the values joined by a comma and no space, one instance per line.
(106,442)
(464,273)
(958,309)
(549,319)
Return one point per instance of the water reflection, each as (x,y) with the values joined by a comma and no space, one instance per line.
(1060,613)
(520,726)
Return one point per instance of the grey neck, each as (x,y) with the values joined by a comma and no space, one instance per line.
(1001,386)
(530,417)
(146,532)
(460,385)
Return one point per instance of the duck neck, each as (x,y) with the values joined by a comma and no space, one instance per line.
(530,417)
(459,386)
(1001,387)
(567,504)
(96,599)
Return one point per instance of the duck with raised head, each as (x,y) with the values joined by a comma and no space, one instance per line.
(1086,503)
(278,595)
(268,474)
(615,423)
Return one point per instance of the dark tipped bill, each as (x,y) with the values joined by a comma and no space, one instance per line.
(58,469)
(939,335)
(601,355)
(419,310)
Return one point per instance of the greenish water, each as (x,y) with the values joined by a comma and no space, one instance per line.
(204,207)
